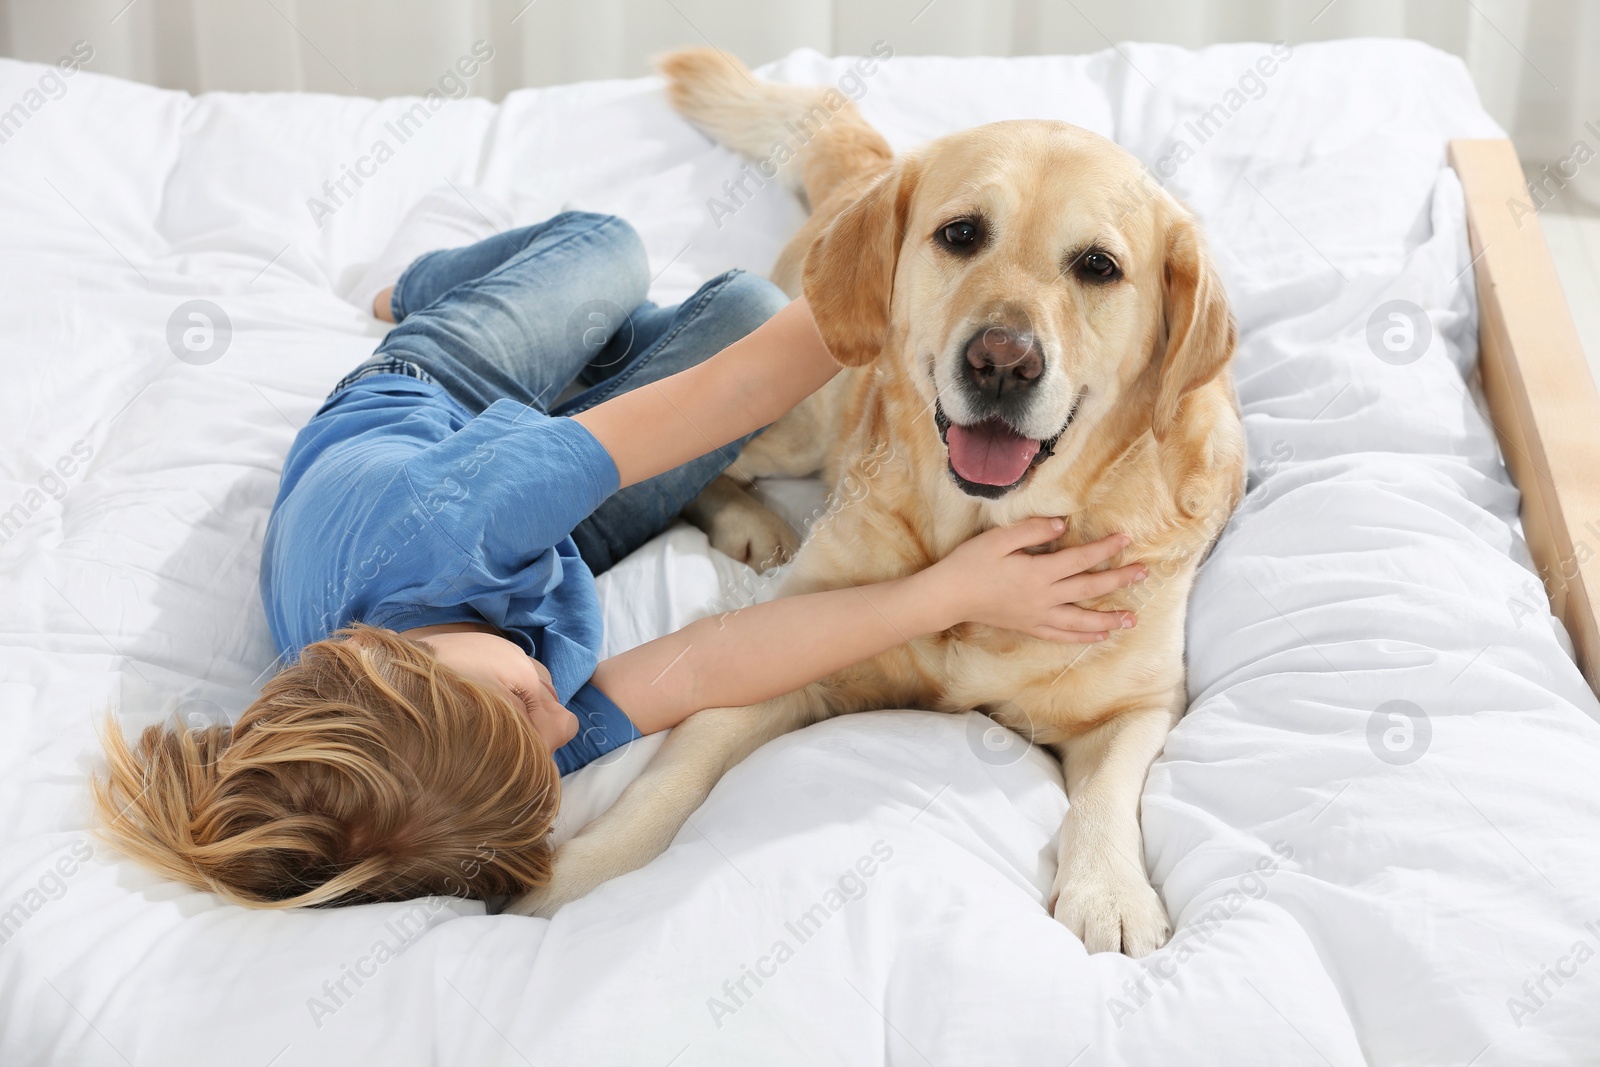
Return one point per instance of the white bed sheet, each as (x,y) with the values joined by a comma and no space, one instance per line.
(1405,909)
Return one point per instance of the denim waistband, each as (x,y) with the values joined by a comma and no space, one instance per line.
(381,365)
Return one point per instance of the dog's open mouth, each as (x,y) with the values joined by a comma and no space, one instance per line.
(990,453)
(990,458)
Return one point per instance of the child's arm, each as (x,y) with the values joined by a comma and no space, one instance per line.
(747,385)
(769,649)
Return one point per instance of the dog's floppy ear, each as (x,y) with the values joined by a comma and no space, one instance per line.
(1200,331)
(849,271)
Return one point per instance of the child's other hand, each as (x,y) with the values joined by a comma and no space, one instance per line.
(990,579)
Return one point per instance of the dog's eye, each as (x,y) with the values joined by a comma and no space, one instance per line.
(960,236)
(1099,267)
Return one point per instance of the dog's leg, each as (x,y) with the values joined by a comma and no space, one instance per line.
(1102,892)
(644,820)
(796,446)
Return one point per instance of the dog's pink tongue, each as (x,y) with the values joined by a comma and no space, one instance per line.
(990,453)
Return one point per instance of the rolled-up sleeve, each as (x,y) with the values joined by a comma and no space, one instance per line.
(602,727)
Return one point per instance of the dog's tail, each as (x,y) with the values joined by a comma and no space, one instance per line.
(792,128)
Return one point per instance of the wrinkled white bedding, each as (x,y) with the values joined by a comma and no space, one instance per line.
(1348,884)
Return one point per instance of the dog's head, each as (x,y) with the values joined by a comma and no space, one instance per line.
(1031,284)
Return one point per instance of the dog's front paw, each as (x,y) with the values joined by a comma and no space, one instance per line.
(1109,906)
(570,878)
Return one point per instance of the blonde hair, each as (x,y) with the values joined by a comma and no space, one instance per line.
(366,771)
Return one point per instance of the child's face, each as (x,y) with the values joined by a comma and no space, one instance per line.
(493,661)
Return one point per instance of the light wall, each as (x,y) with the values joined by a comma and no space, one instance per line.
(1533,60)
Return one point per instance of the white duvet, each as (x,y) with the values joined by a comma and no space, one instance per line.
(1377,829)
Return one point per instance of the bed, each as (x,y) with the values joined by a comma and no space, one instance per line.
(1375,829)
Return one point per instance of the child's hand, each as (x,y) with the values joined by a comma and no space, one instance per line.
(989,579)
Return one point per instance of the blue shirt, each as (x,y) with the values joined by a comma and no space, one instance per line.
(400,509)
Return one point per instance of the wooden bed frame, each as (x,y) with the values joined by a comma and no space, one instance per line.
(1542,398)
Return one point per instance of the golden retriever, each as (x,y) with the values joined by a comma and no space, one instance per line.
(1030,340)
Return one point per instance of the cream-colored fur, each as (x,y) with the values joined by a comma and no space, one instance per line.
(1137,372)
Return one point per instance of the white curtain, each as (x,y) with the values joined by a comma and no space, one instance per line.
(1533,60)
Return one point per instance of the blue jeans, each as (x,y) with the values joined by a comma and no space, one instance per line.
(527,313)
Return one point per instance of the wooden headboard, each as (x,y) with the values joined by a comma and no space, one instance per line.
(1542,397)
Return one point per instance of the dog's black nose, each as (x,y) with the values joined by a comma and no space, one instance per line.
(1000,361)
